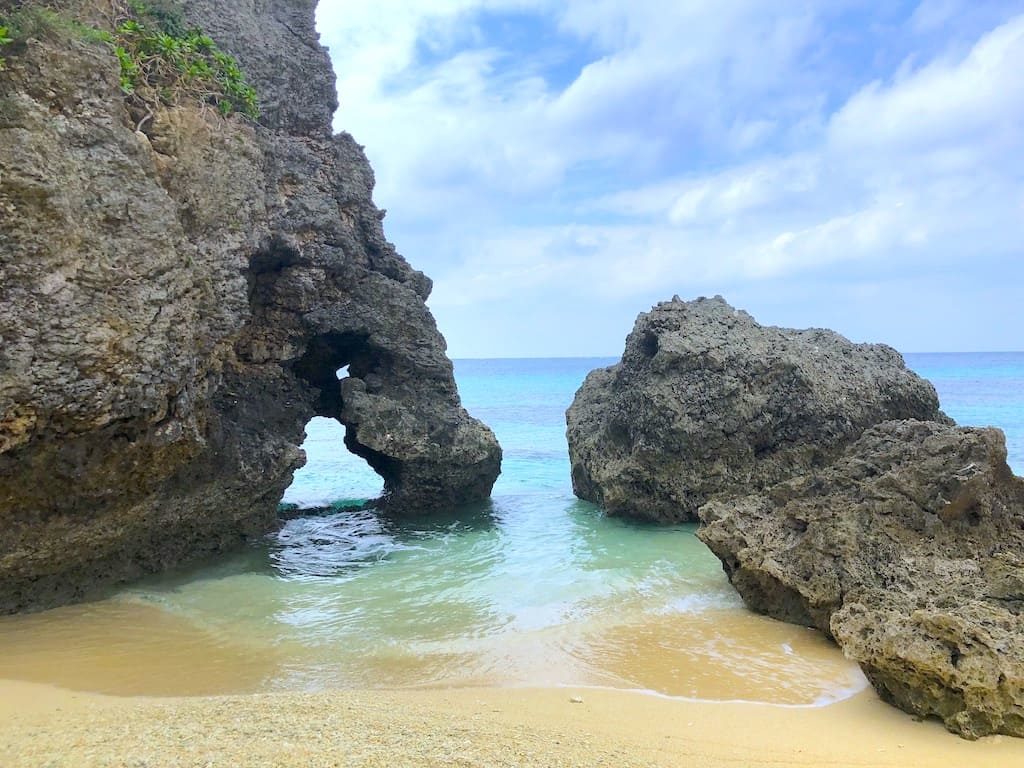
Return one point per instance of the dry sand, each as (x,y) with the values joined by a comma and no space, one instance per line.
(46,726)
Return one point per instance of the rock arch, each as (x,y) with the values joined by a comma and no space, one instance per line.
(173,307)
(408,426)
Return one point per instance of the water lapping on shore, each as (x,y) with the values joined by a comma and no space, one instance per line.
(535,588)
(510,597)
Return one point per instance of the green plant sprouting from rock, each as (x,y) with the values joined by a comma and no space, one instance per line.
(36,20)
(163,60)
(5,39)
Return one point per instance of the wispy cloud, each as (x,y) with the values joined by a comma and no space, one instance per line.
(600,155)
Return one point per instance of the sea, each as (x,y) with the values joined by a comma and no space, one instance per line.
(534,588)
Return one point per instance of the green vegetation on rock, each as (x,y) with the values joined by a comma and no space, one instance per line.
(5,39)
(162,59)
(28,22)
(38,21)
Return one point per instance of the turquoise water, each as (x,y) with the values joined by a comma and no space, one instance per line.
(981,389)
(533,588)
(524,401)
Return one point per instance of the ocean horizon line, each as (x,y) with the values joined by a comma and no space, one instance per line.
(461,358)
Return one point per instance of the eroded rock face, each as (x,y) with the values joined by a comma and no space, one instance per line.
(174,304)
(909,552)
(706,401)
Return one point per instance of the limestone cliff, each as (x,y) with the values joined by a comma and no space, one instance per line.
(175,302)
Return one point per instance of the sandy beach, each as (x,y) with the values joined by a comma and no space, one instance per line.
(46,726)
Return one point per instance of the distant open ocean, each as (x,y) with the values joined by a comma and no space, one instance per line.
(524,401)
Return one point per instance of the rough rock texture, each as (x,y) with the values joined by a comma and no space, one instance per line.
(706,401)
(174,305)
(909,552)
(834,491)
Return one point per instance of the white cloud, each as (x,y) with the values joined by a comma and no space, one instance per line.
(487,118)
(722,196)
(945,101)
(699,145)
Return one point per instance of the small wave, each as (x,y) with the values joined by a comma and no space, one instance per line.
(834,696)
(701,602)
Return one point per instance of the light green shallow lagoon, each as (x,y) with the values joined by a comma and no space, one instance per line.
(535,588)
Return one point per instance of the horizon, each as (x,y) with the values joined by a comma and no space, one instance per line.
(557,168)
(619,356)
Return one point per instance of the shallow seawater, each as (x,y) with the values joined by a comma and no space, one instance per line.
(534,588)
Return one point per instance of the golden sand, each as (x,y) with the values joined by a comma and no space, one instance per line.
(128,648)
(44,726)
(725,655)
(141,652)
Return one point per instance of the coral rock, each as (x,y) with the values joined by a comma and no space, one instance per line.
(706,401)
(909,552)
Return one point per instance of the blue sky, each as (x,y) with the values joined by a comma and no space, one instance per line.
(558,167)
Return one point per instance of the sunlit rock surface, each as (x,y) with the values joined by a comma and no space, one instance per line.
(835,493)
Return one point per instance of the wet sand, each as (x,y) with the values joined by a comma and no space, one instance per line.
(169,676)
(45,726)
(131,648)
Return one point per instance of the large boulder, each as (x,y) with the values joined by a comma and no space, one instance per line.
(177,293)
(705,401)
(909,552)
